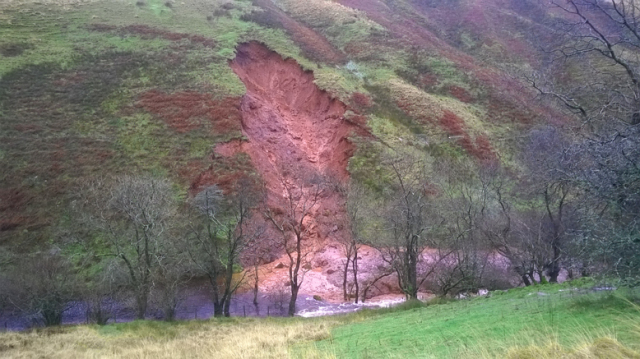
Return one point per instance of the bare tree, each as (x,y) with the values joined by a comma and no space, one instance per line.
(372,282)
(498,217)
(355,222)
(258,252)
(133,213)
(218,232)
(44,285)
(553,171)
(291,222)
(102,292)
(612,202)
(600,37)
(461,204)
(170,278)
(411,225)
(535,237)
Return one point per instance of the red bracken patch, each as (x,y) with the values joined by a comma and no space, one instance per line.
(9,224)
(13,199)
(361,100)
(102,27)
(412,110)
(186,111)
(460,93)
(27,128)
(428,80)
(454,126)
(484,150)
(225,172)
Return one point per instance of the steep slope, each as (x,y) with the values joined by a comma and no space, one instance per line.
(295,132)
(204,92)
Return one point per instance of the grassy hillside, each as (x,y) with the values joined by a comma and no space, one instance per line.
(547,321)
(92,88)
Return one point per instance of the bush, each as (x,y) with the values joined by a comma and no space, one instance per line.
(43,285)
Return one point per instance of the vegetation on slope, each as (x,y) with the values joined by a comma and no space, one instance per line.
(81,83)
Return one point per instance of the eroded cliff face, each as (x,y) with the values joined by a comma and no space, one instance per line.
(295,132)
(287,119)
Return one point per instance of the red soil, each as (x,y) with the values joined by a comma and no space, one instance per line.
(231,148)
(294,130)
(287,119)
(186,111)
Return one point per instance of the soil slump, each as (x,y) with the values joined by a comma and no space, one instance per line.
(295,131)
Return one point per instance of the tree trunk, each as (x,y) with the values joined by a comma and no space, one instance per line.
(345,276)
(218,309)
(255,286)
(411,289)
(218,305)
(523,275)
(292,301)
(226,298)
(554,270)
(51,314)
(226,309)
(354,264)
(541,276)
(141,305)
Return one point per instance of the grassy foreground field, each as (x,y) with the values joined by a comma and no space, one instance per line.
(556,318)
(551,321)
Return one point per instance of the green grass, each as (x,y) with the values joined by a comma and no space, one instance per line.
(340,24)
(536,315)
(69,93)
(521,323)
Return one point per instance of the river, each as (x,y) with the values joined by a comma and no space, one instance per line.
(196,304)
